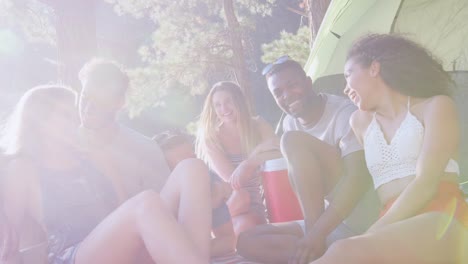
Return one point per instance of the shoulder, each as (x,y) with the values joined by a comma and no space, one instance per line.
(20,174)
(339,111)
(439,106)
(289,123)
(338,105)
(337,100)
(133,135)
(359,121)
(137,141)
(262,125)
(360,118)
(439,102)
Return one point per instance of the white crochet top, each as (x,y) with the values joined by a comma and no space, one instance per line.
(398,158)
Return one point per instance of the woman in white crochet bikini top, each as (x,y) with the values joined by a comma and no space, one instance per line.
(397,158)
(409,128)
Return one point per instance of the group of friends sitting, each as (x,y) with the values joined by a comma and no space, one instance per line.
(77,187)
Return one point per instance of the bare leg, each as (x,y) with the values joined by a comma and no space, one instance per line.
(314,169)
(272,243)
(415,240)
(190,201)
(146,221)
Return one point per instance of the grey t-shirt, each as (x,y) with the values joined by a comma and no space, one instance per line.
(333,127)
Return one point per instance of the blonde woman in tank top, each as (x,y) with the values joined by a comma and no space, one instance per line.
(409,128)
(235,144)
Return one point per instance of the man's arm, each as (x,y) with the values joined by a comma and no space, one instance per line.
(16,191)
(350,189)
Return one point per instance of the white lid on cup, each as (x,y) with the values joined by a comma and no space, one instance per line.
(275,165)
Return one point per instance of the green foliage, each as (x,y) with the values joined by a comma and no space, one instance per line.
(190,48)
(294,45)
(34,18)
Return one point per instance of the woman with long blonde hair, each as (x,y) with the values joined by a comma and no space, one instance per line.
(235,144)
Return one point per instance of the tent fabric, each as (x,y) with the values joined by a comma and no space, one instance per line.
(437,24)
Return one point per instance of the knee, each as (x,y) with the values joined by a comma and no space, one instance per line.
(294,142)
(192,170)
(146,201)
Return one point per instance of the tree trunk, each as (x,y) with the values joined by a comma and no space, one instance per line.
(240,67)
(76,37)
(316,10)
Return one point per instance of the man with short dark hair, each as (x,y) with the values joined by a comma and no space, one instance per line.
(133,161)
(326,166)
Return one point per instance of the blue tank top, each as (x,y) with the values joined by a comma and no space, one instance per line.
(74,202)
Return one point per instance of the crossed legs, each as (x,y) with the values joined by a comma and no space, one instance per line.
(173,227)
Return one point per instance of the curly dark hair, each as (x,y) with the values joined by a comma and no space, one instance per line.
(405,65)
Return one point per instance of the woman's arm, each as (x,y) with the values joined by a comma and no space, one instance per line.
(441,139)
(359,121)
(16,205)
(219,162)
(8,238)
(267,149)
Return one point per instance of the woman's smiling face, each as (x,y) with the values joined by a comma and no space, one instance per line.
(224,106)
(360,83)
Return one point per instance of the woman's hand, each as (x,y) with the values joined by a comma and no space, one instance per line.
(245,171)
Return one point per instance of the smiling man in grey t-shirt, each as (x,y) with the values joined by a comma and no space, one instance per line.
(326,162)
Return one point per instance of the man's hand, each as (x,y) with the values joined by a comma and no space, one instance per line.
(310,247)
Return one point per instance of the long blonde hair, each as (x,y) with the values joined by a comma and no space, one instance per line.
(208,125)
(20,134)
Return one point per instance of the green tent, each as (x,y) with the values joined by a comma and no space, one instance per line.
(440,25)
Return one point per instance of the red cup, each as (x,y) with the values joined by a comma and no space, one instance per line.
(280,199)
